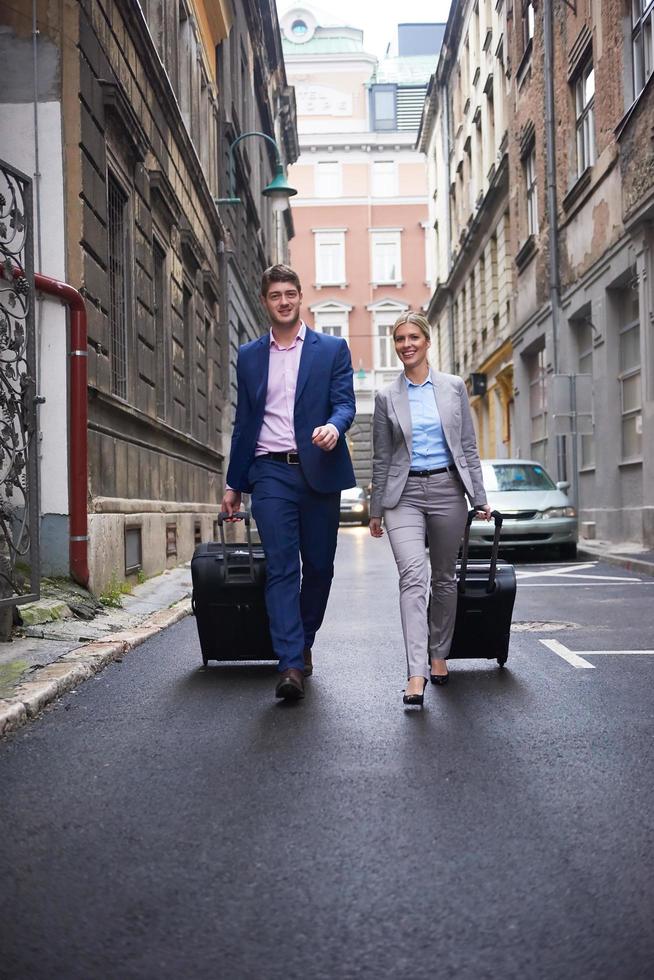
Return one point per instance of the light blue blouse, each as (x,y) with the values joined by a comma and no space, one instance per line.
(429,446)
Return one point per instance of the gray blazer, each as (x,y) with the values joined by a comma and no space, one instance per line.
(392,439)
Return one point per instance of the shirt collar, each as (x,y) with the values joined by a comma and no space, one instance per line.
(299,336)
(412,384)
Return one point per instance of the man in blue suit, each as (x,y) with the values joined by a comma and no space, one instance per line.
(294,405)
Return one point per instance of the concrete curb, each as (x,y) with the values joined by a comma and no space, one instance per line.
(73,668)
(620,561)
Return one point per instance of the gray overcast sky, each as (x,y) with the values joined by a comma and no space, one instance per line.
(378,18)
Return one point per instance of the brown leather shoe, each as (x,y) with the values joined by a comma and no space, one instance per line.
(308,662)
(290,685)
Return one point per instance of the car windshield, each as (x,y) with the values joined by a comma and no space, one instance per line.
(515,476)
(354,493)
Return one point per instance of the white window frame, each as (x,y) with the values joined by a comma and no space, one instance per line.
(537,372)
(383,315)
(585,366)
(628,375)
(585,117)
(531,188)
(328,178)
(329,271)
(332,318)
(383,183)
(642,42)
(385,271)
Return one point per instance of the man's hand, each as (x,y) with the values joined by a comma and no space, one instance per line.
(325,437)
(484,513)
(231,504)
(375,527)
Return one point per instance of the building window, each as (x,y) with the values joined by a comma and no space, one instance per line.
(171,540)
(528,23)
(118,284)
(160,335)
(328,179)
(585,366)
(384,178)
(585,113)
(629,378)
(332,321)
(133,550)
(185,65)
(330,258)
(386,257)
(385,356)
(197,533)
(383,107)
(642,21)
(531,191)
(537,405)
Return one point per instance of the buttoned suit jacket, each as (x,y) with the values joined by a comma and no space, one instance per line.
(392,439)
(324,393)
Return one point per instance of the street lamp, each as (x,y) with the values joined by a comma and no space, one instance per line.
(278,190)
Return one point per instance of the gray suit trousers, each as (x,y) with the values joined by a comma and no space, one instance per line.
(434,505)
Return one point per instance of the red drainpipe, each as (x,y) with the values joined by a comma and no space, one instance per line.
(78,427)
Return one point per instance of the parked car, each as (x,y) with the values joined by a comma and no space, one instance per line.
(354,506)
(536,511)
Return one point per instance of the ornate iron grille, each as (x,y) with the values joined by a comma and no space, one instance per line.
(117,202)
(19,498)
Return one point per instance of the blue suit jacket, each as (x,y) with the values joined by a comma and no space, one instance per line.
(324,393)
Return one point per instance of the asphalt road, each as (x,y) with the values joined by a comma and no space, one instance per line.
(170,822)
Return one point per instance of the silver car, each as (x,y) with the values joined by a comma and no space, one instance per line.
(536,511)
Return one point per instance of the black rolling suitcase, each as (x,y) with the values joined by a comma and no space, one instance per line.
(486,593)
(228,599)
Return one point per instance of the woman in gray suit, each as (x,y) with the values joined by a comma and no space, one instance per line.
(425,460)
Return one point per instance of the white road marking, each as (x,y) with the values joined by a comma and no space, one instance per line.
(576,661)
(580,585)
(562,651)
(557,569)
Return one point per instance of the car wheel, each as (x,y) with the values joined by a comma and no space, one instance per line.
(568,551)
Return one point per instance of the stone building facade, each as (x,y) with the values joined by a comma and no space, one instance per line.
(464,134)
(590,319)
(136,107)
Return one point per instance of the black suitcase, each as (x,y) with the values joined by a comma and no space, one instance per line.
(485,598)
(228,599)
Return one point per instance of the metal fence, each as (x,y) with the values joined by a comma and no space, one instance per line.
(19,496)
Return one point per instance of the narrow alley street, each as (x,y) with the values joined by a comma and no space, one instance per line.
(504,830)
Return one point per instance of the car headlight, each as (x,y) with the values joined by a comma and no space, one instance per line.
(559,512)
(358,508)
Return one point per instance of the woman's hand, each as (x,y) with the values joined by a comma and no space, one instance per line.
(375,527)
(484,513)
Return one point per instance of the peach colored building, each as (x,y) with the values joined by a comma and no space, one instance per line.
(360,217)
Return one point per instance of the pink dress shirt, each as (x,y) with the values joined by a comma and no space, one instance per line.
(277,432)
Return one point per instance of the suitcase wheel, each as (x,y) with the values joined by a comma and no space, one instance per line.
(205,660)
(501,661)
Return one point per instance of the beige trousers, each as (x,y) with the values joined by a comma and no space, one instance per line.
(432,505)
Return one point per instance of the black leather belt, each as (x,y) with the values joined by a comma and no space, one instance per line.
(441,469)
(290,457)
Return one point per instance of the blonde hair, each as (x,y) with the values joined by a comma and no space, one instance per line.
(417,319)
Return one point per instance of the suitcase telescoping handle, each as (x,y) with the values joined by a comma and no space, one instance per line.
(240,515)
(497,517)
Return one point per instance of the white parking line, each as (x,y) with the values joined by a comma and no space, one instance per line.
(572,658)
(576,661)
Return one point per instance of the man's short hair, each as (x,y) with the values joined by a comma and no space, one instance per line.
(279,273)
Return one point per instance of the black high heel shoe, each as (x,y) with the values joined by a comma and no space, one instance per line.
(416,699)
(439,678)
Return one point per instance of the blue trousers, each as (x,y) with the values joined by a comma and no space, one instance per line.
(298,529)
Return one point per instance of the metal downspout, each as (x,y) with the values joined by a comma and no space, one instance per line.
(78,424)
(448,230)
(552,211)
